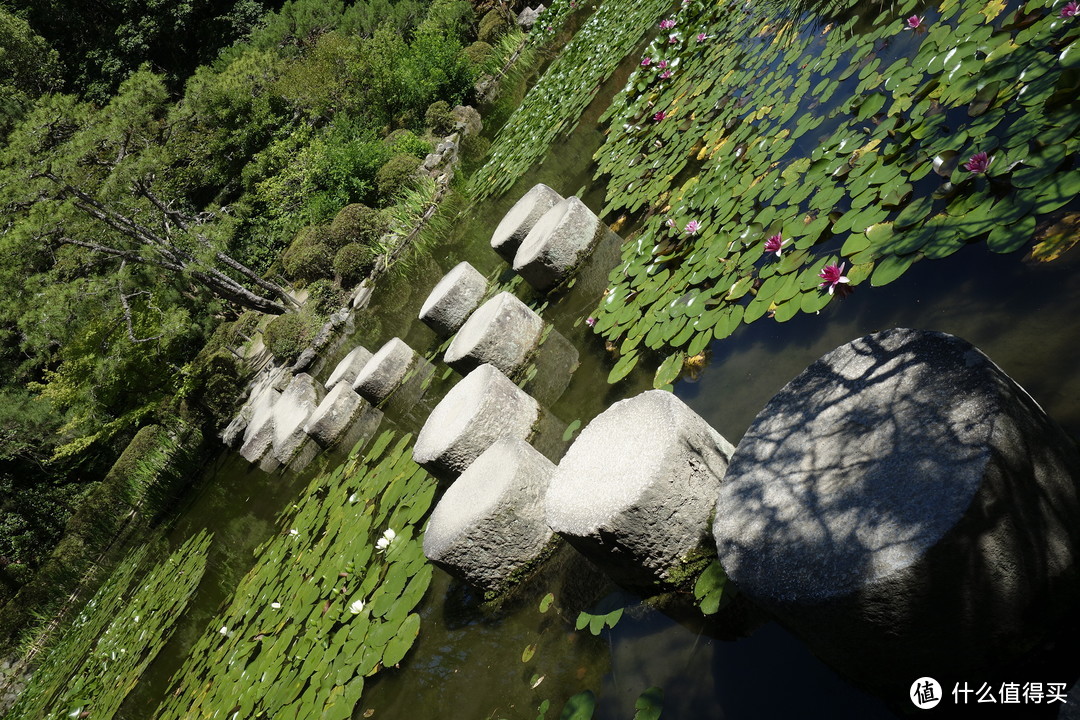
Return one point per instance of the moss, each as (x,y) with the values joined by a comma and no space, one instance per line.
(288,335)
(439,118)
(493,26)
(396,175)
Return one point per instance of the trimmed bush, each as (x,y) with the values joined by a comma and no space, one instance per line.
(308,263)
(405,142)
(396,175)
(477,54)
(439,118)
(324,297)
(493,26)
(357,223)
(288,335)
(353,262)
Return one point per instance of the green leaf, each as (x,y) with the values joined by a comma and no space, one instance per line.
(571,429)
(402,641)
(622,368)
(649,704)
(889,269)
(528,652)
(579,707)
(546,601)
(669,369)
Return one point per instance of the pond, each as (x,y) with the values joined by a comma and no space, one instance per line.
(308,604)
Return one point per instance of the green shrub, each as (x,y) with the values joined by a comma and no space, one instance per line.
(289,335)
(309,256)
(324,297)
(357,223)
(493,26)
(405,142)
(439,118)
(353,262)
(477,54)
(395,176)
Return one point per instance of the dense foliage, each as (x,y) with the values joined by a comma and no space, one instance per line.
(156,160)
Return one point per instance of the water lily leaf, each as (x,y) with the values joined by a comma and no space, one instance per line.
(915,211)
(579,707)
(649,704)
(709,587)
(571,429)
(1039,165)
(622,368)
(1010,238)
(669,370)
(546,601)
(889,269)
(1057,239)
(813,301)
(402,641)
(528,652)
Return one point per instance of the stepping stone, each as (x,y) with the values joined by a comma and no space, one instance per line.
(291,413)
(503,332)
(347,370)
(636,491)
(385,371)
(521,218)
(337,411)
(258,437)
(906,508)
(489,528)
(453,299)
(483,407)
(558,243)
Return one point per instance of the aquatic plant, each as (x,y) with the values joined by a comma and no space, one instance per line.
(323,608)
(831,276)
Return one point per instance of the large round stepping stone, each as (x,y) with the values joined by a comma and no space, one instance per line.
(558,243)
(503,332)
(482,408)
(385,371)
(636,491)
(258,437)
(453,299)
(906,508)
(521,218)
(489,527)
(349,367)
(291,412)
(337,411)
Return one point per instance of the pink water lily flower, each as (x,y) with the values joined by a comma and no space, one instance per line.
(662,64)
(646,61)
(667,24)
(591,322)
(672,39)
(665,75)
(1070,9)
(692,227)
(670,222)
(659,116)
(775,244)
(914,22)
(702,37)
(831,276)
(979,163)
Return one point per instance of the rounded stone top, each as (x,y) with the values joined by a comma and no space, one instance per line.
(483,392)
(462,277)
(348,367)
(617,457)
(386,367)
(858,466)
(567,228)
(481,488)
(502,332)
(519,220)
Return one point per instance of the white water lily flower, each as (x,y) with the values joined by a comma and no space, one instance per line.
(275,605)
(294,531)
(224,630)
(356,607)
(384,542)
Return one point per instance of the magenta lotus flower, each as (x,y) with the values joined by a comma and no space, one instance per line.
(979,163)
(662,64)
(672,39)
(659,116)
(702,37)
(831,276)
(667,24)
(591,322)
(775,244)
(692,227)
(914,22)
(646,61)
(1070,9)
(665,75)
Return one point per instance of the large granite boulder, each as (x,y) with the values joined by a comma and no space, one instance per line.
(453,299)
(557,243)
(349,367)
(521,218)
(482,408)
(337,411)
(503,332)
(906,508)
(636,491)
(467,119)
(291,413)
(489,527)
